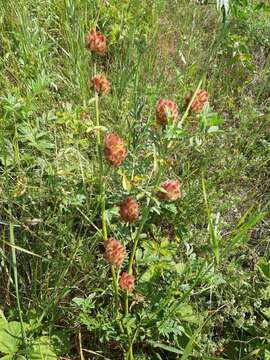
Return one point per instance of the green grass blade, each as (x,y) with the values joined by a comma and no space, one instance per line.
(254,219)
(162,346)
(189,347)
(15,272)
(214,238)
(21,249)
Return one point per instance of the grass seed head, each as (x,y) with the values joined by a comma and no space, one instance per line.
(126,282)
(164,110)
(172,190)
(96,42)
(115,252)
(114,149)
(101,84)
(199,102)
(129,210)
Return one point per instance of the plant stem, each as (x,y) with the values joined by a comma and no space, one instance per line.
(126,303)
(15,272)
(103,204)
(137,237)
(101,179)
(116,298)
(115,285)
(134,247)
(183,118)
(190,103)
(130,351)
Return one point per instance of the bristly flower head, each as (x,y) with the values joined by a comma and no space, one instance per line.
(114,149)
(129,210)
(171,190)
(101,84)
(95,42)
(166,109)
(126,282)
(199,102)
(115,252)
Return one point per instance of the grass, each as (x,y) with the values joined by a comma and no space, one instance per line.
(201,263)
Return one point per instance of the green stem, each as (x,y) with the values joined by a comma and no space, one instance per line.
(130,351)
(126,303)
(183,118)
(101,180)
(190,103)
(133,251)
(137,237)
(115,286)
(116,298)
(130,355)
(15,272)
(103,205)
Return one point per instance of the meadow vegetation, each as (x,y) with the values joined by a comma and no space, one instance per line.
(132,227)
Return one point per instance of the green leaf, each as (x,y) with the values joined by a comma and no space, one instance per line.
(42,350)
(165,347)
(3,321)
(266,312)
(96,128)
(13,357)
(267,354)
(148,274)
(10,337)
(213,129)
(179,268)
(243,230)
(126,184)
(185,312)
(266,293)
(264,267)
(189,347)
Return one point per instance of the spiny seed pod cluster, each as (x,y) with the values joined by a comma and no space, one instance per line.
(126,282)
(166,109)
(101,84)
(129,210)
(171,190)
(114,149)
(199,101)
(115,252)
(95,42)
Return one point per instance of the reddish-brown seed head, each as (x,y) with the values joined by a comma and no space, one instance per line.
(199,102)
(126,282)
(101,84)
(114,149)
(129,210)
(115,252)
(172,190)
(95,42)
(166,109)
